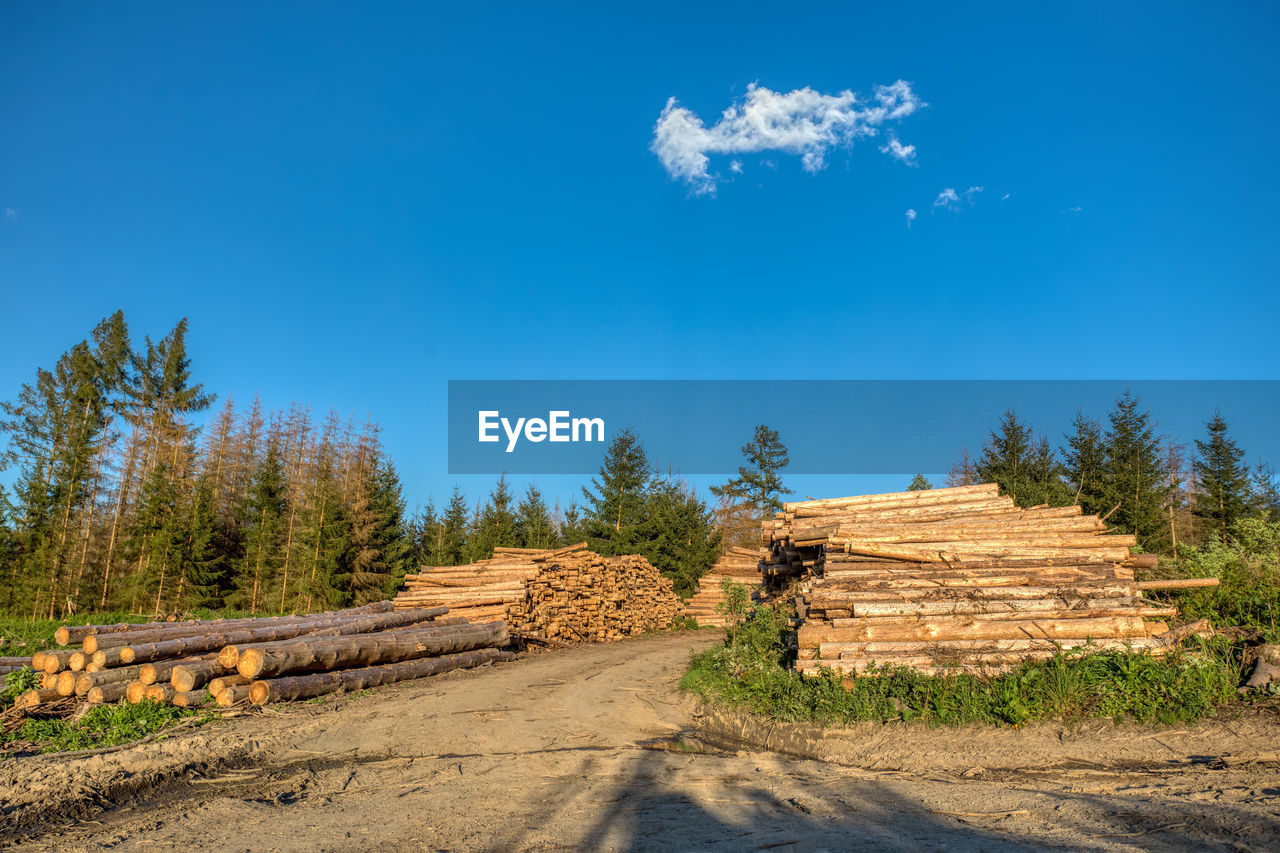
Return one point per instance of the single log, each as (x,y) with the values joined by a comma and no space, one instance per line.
(222,682)
(135,692)
(233,694)
(56,660)
(104,693)
(1178,583)
(162,692)
(229,652)
(307,686)
(48,679)
(190,698)
(69,634)
(368,649)
(1143,561)
(939,629)
(1200,627)
(888,498)
(824,595)
(188,676)
(150,673)
(121,675)
(78,661)
(108,657)
(65,683)
(37,697)
(37,661)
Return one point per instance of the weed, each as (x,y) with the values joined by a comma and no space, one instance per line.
(16,683)
(105,725)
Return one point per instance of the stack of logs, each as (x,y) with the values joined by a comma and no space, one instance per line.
(740,565)
(264,659)
(958,579)
(566,594)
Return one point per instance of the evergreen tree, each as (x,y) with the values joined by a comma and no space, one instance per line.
(919,483)
(759,484)
(1265,497)
(1138,480)
(390,536)
(616,501)
(678,534)
(534,526)
(496,525)
(1006,458)
(264,533)
(1084,467)
(573,528)
(207,569)
(454,547)
(428,531)
(1222,478)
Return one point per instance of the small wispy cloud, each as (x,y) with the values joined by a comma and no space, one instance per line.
(895,149)
(1005,197)
(803,122)
(952,200)
(10,213)
(1075,209)
(736,167)
(911,216)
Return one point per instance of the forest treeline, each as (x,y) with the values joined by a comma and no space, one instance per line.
(120,501)
(1164,492)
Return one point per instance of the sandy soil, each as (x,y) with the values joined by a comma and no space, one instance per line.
(594,748)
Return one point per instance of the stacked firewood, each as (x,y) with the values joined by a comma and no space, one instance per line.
(482,590)
(265,659)
(957,579)
(565,594)
(580,596)
(740,565)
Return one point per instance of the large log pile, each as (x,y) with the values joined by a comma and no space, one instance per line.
(955,579)
(579,596)
(740,565)
(264,659)
(566,594)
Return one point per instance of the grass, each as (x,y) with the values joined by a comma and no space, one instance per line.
(751,670)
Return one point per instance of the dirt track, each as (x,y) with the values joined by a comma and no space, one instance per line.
(593,748)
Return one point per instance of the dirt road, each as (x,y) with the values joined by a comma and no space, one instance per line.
(594,749)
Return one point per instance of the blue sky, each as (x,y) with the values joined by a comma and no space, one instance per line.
(353,205)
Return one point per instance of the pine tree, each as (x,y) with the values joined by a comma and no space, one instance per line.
(573,528)
(1137,482)
(759,484)
(1222,478)
(454,547)
(1006,458)
(1084,464)
(496,525)
(919,483)
(678,534)
(264,533)
(1265,495)
(616,500)
(534,526)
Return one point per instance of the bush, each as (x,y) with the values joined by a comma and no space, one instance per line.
(105,725)
(1247,563)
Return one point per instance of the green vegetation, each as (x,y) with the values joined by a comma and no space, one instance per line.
(102,726)
(750,670)
(16,683)
(1248,564)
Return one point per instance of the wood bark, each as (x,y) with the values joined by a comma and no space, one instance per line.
(367,649)
(188,677)
(190,698)
(105,693)
(308,686)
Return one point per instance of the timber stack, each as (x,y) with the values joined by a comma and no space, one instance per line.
(557,595)
(263,659)
(957,579)
(478,591)
(740,565)
(579,596)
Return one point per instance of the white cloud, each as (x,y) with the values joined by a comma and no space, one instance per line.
(894,148)
(1075,209)
(10,213)
(1005,197)
(911,216)
(736,167)
(803,122)
(952,200)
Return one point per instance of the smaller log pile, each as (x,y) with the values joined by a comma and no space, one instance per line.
(477,591)
(265,659)
(957,579)
(741,565)
(579,596)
